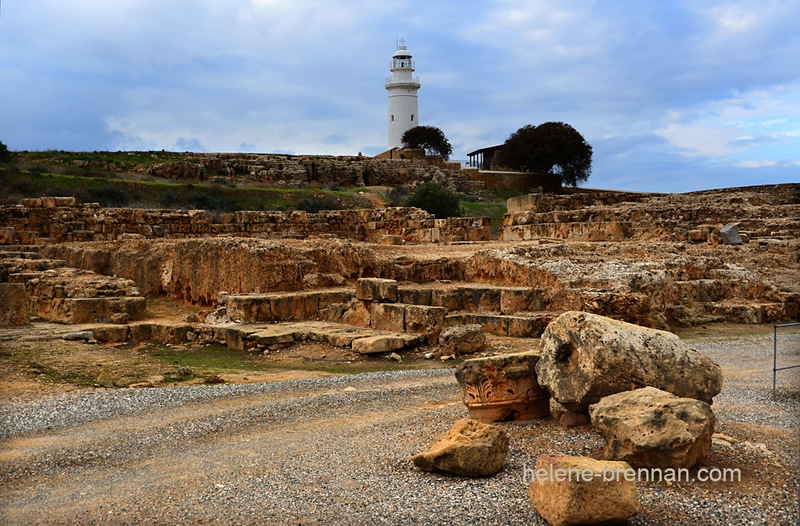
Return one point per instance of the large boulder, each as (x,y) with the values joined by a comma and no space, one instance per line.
(470,449)
(502,387)
(650,428)
(586,357)
(568,490)
(463,339)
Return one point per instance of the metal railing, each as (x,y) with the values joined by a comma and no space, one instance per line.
(775,367)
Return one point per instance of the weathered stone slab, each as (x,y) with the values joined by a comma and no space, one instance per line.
(388,316)
(480,299)
(502,387)
(568,490)
(469,449)
(376,289)
(462,339)
(424,319)
(288,306)
(111,333)
(651,428)
(385,343)
(274,335)
(13,305)
(249,307)
(586,357)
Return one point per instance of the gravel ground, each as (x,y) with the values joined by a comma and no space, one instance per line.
(337,451)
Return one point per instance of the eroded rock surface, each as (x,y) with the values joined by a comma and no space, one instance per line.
(651,428)
(469,449)
(582,495)
(586,357)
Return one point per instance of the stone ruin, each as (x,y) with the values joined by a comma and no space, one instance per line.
(386,280)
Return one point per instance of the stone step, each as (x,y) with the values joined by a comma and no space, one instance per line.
(282,306)
(531,325)
(260,337)
(361,339)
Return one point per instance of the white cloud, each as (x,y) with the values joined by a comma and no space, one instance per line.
(755,164)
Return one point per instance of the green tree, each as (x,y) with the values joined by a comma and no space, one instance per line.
(435,199)
(5,155)
(554,148)
(429,138)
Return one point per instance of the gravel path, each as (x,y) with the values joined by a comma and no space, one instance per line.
(337,451)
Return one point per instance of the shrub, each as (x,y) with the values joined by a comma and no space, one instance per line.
(435,199)
(5,155)
(312,205)
(109,196)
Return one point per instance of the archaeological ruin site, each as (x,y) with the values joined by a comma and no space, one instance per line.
(376,364)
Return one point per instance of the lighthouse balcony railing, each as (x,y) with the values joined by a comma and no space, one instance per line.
(392,80)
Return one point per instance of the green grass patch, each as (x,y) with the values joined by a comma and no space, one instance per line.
(117,192)
(71,377)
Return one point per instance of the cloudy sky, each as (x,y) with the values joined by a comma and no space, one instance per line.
(673,95)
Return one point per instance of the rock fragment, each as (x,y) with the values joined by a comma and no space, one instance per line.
(469,449)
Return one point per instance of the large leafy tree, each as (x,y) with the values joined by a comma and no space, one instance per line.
(554,148)
(429,138)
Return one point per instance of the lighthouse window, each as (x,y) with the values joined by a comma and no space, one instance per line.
(412,117)
(392,118)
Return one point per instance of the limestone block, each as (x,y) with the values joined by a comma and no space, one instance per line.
(13,305)
(651,428)
(274,335)
(359,314)
(7,235)
(525,327)
(388,316)
(424,319)
(170,333)
(568,490)
(140,332)
(462,339)
(127,308)
(480,299)
(586,357)
(288,306)
(415,296)
(111,333)
(376,289)
(730,235)
(449,299)
(84,310)
(515,300)
(385,343)
(470,449)
(502,387)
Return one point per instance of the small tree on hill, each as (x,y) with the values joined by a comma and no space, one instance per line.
(429,138)
(435,199)
(554,148)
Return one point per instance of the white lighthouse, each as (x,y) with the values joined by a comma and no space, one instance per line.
(402,87)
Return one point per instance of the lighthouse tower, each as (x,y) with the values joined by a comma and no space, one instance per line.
(402,87)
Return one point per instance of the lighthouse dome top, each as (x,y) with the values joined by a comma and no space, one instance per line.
(402,51)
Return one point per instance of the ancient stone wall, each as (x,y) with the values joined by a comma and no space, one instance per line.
(759,212)
(59,220)
(303,171)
